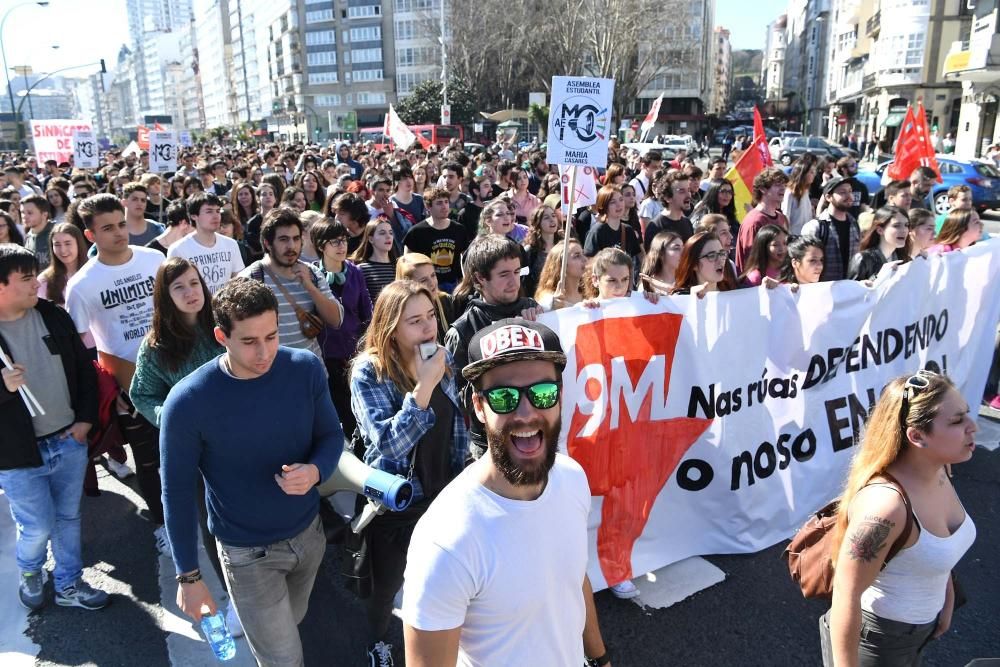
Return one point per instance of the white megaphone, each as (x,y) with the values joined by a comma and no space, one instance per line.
(392,491)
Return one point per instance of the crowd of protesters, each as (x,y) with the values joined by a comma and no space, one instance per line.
(352,260)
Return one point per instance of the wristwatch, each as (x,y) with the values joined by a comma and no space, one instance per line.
(189,578)
(599,661)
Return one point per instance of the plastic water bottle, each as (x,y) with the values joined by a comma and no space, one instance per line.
(218,635)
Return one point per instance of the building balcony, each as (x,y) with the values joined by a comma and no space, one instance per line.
(873,25)
(978,59)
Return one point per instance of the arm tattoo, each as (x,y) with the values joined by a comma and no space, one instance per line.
(869,538)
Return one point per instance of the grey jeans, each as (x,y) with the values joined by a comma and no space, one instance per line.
(883,642)
(270,588)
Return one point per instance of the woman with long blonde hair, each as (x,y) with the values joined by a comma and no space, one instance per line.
(547,294)
(418,267)
(885,613)
(406,403)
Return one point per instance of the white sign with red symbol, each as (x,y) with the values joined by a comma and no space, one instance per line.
(586,186)
(510,338)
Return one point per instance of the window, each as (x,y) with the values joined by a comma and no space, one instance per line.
(370,98)
(319,16)
(367,34)
(326,100)
(915,50)
(405,29)
(321,58)
(366,55)
(364,11)
(316,78)
(318,37)
(368,75)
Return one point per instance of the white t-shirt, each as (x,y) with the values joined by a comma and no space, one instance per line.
(508,572)
(115,303)
(650,208)
(217,264)
(640,184)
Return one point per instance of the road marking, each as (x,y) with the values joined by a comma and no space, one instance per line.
(16,650)
(671,584)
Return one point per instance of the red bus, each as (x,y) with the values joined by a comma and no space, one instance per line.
(426,134)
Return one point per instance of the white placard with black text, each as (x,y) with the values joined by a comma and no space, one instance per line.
(580,121)
(162,151)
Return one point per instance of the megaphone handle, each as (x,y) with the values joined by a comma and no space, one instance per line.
(369,512)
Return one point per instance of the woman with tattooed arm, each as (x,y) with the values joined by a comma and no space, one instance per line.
(885,617)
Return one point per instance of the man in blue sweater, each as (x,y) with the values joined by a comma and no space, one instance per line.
(260,471)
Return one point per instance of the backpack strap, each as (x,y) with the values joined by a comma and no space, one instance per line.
(894,484)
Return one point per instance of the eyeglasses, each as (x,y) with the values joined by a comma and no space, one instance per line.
(715,256)
(336,242)
(504,400)
(918,381)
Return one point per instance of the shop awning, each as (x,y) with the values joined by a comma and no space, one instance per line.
(895,118)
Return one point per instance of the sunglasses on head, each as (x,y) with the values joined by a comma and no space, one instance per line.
(916,382)
(504,400)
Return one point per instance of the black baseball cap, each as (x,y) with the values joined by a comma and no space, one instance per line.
(510,340)
(835,183)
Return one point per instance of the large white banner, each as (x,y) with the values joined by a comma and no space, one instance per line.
(53,139)
(716,425)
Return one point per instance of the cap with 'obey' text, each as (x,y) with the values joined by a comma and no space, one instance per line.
(510,340)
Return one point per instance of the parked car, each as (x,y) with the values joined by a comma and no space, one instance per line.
(796,147)
(676,143)
(981,177)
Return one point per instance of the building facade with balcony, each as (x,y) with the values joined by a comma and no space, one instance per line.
(974,62)
(885,56)
(722,73)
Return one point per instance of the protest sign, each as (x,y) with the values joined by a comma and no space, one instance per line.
(580,121)
(53,139)
(184,138)
(162,151)
(717,425)
(85,150)
(585,186)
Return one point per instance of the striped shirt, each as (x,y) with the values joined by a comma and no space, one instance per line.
(377,276)
(289,331)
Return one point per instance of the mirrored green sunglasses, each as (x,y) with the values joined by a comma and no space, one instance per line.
(504,400)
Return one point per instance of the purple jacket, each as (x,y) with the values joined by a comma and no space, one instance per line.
(342,343)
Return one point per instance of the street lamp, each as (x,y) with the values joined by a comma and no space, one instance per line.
(3,53)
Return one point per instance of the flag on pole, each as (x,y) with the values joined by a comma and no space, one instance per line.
(913,148)
(397,130)
(760,138)
(159,128)
(654,113)
(753,161)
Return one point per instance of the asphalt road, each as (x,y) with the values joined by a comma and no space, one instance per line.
(755,617)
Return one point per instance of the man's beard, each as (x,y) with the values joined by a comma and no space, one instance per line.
(527,473)
(280,260)
(844,208)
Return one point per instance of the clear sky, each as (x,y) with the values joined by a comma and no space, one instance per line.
(84,30)
(747,20)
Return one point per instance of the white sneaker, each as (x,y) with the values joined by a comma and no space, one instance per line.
(119,470)
(162,542)
(625,590)
(233,621)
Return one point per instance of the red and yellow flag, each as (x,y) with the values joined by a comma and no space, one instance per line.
(752,162)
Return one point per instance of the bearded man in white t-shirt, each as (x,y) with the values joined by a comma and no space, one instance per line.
(496,571)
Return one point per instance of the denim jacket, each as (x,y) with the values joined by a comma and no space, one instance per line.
(391,423)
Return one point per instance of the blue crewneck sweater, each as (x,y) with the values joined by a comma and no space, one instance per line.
(237,434)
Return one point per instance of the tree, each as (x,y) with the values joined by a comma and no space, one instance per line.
(540,116)
(423,105)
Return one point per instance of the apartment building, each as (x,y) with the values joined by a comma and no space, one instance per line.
(973,61)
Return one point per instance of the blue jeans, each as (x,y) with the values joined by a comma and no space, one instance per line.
(45,504)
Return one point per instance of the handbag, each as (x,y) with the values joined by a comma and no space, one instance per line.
(809,557)
(310,324)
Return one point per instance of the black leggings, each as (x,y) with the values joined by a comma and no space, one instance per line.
(388,540)
(340,392)
(145,441)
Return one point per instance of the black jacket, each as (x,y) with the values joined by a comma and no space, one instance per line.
(478,315)
(18,445)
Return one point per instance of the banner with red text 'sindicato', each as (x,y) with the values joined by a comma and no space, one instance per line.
(53,139)
(717,425)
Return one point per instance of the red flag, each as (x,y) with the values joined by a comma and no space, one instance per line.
(158,127)
(913,148)
(654,112)
(760,139)
(142,137)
